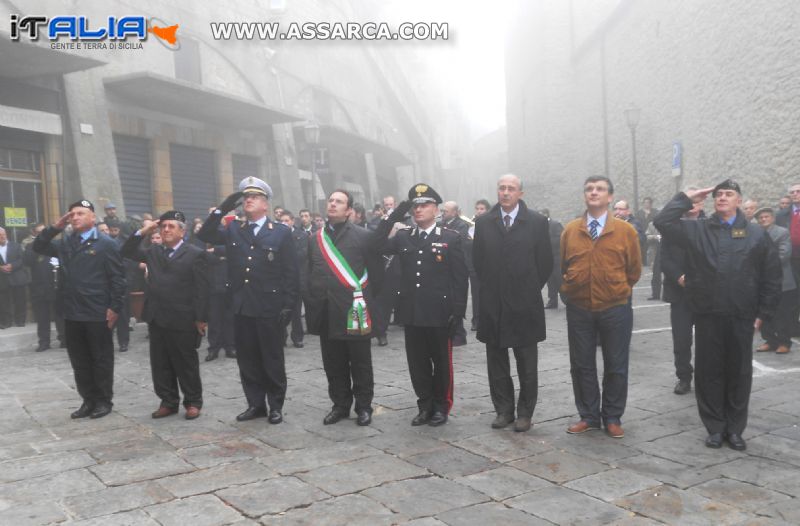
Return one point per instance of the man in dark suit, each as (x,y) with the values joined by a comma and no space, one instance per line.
(673,265)
(789,218)
(481,207)
(13,279)
(220,315)
(513,259)
(432,300)
(343,267)
(451,219)
(93,288)
(44,285)
(122,327)
(263,282)
(176,311)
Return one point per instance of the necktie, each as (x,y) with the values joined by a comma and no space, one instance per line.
(252,228)
(507,221)
(75,241)
(423,235)
(168,251)
(593,229)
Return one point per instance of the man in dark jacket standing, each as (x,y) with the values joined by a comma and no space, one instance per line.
(263,283)
(343,266)
(93,289)
(733,283)
(14,278)
(176,311)
(512,257)
(44,285)
(673,265)
(432,300)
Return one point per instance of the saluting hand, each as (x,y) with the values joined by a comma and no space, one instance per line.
(230,202)
(699,194)
(63,221)
(399,213)
(148,227)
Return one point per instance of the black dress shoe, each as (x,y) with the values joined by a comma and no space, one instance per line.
(474,327)
(298,345)
(100,410)
(364,418)
(735,441)
(421,419)
(551,305)
(654,298)
(714,440)
(683,387)
(502,421)
(275,417)
(250,413)
(212,355)
(61,344)
(334,416)
(230,354)
(459,342)
(437,419)
(83,411)
(41,348)
(123,348)
(382,341)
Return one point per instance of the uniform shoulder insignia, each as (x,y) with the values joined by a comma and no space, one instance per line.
(404,227)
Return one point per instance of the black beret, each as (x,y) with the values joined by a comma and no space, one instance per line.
(173,215)
(727,184)
(422,193)
(83,203)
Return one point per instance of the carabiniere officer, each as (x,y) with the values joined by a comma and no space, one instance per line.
(432,299)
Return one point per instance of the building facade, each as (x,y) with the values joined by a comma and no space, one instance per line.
(713,83)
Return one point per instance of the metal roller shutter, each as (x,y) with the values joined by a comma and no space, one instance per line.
(194,186)
(133,165)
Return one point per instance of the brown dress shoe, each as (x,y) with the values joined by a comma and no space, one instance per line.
(192,412)
(615,430)
(581,427)
(163,411)
(782,349)
(764,347)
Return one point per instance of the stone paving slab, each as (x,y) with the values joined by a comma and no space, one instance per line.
(130,469)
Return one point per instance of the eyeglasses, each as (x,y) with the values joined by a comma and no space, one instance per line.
(250,195)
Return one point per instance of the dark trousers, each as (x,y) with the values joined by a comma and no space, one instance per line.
(173,363)
(297,322)
(778,330)
(91,353)
(501,386)
(45,311)
(554,282)
(386,299)
(6,309)
(430,363)
(348,366)
(122,327)
(681,320)
(795,324)
(19,297)
(657,279)
(475,290)
(220,324)
(259,353)
(613,328)
(723,371)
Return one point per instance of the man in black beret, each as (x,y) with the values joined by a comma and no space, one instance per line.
(175,309)
(91,294)
(432,299)
(733,285)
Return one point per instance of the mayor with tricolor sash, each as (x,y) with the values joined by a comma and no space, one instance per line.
(343,266)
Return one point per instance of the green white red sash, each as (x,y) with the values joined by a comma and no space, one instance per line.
(358,319)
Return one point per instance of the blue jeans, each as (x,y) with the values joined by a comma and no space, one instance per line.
(613,328)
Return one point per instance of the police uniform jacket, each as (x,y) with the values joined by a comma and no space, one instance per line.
(327,301)
(93,274)
(434,277)
(730,270)
(263,276)
(177,295)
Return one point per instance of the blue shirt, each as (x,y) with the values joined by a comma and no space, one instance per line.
(729,221)
(92,232)
(602,220)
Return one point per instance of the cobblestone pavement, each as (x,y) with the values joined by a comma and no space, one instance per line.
(127,468)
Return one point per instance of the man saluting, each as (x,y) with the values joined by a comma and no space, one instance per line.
(175,309)
(263,283)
